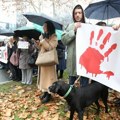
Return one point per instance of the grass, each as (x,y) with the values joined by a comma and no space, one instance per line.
(10,87)
(7,87)
(42,109)
(17,118)
(61,110)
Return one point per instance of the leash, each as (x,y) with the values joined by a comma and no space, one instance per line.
(76,81)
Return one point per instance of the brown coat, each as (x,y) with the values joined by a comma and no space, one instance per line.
(47,74)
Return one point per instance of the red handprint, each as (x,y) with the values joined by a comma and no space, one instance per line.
(92,58)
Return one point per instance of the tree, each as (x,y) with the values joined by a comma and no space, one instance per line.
(61,10)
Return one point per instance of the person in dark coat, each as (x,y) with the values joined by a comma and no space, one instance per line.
(12,47)
(61,57)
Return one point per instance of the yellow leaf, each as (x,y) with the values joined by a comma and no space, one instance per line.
(33,108)
(24,115)
(45,114)
(84,117)
(18,88)
(35,115)
(67,114)
(8,112)
(21,92)
(56,117)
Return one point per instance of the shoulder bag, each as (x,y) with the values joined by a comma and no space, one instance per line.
(14,59)
(47,58)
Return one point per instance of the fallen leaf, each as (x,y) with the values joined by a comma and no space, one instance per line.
(56,117)
(23,115)
(8,112)
(21,92)
(18,87)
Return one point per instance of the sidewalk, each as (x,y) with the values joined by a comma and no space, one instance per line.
(3,76)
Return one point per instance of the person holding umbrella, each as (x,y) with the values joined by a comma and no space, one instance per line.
(47,74)
(68,39)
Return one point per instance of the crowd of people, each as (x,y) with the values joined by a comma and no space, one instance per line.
(48,74)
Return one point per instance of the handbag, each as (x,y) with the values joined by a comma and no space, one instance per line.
(32,59)
(14,59)
(47,58)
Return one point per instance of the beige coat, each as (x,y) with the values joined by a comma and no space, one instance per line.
(47,74)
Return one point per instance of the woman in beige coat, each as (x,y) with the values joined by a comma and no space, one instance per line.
(47,74)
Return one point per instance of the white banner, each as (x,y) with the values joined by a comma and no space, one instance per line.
(98,54)
(23,45)
(3,54)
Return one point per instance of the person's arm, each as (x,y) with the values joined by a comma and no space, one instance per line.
(68,35)
(49,44)
(116,27)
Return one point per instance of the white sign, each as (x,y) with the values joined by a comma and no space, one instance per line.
(3,54)
(98,54)
(23,44)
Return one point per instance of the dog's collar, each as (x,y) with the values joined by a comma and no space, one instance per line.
(68,92)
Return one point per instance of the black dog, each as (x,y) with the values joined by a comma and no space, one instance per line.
(79,98)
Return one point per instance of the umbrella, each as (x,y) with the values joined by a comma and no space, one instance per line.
(103,10)
(41,18)
(33,31)
(7,33)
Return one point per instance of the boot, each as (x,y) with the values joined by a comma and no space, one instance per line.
(47,98)
(43,96)
(61,74)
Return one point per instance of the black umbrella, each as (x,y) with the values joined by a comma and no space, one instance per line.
(41,18)
(33,31)
(103,10)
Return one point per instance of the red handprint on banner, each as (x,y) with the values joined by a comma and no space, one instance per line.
(92,58)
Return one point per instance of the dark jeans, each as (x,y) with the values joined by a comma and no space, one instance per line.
(84,81)
(16,72)
(72,79)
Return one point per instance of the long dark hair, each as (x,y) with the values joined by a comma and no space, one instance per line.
(50,28)
(83,16)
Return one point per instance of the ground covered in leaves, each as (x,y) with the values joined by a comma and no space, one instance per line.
(21,102)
